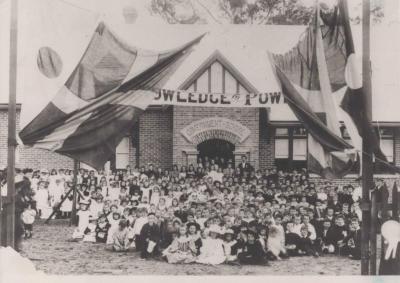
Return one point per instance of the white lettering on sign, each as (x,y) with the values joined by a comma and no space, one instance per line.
(215,128)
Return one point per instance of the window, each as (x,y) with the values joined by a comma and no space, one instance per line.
(122,154)
(346,136)
(386,137)
(300,149)
(387,143)
(290,148)
(281,148)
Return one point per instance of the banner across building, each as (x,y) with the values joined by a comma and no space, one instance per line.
(188,98)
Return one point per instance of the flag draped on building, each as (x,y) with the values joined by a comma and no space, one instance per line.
(304,73)
(344,72)
(106,93)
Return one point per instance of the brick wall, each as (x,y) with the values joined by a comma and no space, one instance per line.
(155,137)
(397,146)
(184,115)
(267,142)
(28,157)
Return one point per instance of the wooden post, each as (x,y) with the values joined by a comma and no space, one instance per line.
(373,231)
(12,142)
(367,164)
(58,206)
(75,187)
(395,203)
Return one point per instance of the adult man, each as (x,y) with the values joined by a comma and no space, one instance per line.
(245,167)
(382,194)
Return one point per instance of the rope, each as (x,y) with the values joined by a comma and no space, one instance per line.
(78,7)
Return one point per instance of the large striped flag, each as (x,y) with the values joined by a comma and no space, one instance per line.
(343,72)
(304,77)
(106,93)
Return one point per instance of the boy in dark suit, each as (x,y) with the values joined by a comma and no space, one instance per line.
(150,236)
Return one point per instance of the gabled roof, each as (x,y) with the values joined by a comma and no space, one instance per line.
(217,56)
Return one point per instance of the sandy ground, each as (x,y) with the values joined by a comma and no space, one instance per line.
(52,252)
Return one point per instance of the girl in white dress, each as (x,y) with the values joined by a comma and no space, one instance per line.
(182,249)
(212,251)
(42,199)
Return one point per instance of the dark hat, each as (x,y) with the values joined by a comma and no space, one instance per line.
(250,232)
(225,188)
(188,225)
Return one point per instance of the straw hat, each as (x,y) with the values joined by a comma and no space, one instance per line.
(214,229)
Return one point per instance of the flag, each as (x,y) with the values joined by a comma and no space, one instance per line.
(343,72)
(304,77)
(110,87)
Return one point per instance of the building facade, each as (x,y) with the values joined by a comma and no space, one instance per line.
(168,135)
(232,61)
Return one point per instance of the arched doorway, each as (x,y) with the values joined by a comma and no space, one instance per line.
(216,149)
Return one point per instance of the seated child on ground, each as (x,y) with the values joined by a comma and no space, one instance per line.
(102,229)
(28,217)
(252,252)
(90,231)
(120,237)
(274,243)
(182,248)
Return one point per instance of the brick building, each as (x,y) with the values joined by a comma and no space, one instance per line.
(232,61)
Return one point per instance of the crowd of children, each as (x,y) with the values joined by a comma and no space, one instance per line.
(210,213)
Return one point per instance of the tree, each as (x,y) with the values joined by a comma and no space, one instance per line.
(279,12)
(175,11)
(376,13)
(289,12)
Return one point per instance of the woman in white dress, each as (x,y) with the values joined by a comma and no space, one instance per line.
(212,251)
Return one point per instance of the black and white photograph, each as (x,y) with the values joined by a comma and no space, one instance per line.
(199,138)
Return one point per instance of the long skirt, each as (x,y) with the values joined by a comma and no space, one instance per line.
(180,257)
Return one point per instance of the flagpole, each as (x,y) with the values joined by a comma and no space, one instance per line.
(12,142)
(75,187)
(367,164)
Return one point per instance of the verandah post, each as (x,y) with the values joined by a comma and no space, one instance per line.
(73,220)
(367,164)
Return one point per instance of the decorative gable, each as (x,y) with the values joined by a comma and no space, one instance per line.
(218,75)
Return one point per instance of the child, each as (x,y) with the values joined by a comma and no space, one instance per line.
(252,252)
(114,226)
(150,236)
(306,246)
(292,240)
(83,221)
(182,249)
(120,237)
(229,246)
(194,235)
(42,199)
(90,231)
(352,243)
(327,237)
(102,229)
(137,227)
(274,243)
(212,251)
(28,217)
(339,233)
(66,206)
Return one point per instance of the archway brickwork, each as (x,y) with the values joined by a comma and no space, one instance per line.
(185,151)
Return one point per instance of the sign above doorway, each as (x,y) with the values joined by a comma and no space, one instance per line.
(216,128)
